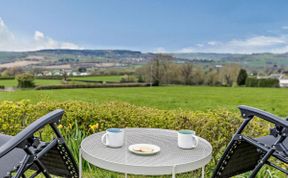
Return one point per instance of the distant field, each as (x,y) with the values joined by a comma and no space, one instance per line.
(114,78)
(13,83)
(18,64)
(184,97)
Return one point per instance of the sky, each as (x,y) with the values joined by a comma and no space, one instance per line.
(220,26)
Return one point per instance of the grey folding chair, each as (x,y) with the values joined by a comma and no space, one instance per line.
(24,152)
(250,154)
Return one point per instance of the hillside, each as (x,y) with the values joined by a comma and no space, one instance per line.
(82,55)
(60,56)
(248,60)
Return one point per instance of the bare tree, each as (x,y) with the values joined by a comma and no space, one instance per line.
(157,70)
(186,72)
(229,73)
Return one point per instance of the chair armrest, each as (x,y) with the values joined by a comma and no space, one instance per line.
(247,111)
(52,117)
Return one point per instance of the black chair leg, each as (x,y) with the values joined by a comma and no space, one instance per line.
(267,156)
(43,169)
(261,163)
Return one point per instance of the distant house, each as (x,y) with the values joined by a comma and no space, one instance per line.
(272,76)
(84,73)
(275,76)
(283,82)
(75,73)
(218,66)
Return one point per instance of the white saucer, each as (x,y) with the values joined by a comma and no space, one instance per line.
(144,149)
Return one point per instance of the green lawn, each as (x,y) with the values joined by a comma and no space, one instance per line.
(174,97)
(170,97)
(13,83)
(113,78)
(8,83)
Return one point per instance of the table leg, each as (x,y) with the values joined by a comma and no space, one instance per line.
(80,163)
(203,172)
(173,172)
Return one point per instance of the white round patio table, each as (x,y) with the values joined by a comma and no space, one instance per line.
(171,160)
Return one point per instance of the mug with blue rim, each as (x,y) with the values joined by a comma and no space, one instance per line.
(187,139)
(114,137)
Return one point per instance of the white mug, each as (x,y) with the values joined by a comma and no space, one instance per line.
(187,139)
(113,137)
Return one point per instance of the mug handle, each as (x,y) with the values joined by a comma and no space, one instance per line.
(196,139)
(104,139)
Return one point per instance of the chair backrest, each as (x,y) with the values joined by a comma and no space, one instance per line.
(244,153)
(49,158)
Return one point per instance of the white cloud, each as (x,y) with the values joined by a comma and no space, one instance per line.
(200,45)
(160,50)
(38,36)
(11,42)
(256,44)
(212,43)
(1,23)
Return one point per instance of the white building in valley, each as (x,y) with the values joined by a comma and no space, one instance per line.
(283,82)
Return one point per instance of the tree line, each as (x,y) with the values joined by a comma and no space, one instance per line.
(164,70)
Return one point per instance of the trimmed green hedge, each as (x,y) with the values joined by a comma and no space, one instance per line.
(7,78)
(254,82)
(108,85)
(217,126)
(86,81)
(49,77)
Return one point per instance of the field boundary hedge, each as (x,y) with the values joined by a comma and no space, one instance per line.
(108,85)
(254,82)
(91,81)
(7,78)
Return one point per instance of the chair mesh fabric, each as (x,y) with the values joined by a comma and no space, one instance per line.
(242,157)
(56,163)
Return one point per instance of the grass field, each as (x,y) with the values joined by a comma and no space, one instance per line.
(13,83)
(174,97)
(113,78)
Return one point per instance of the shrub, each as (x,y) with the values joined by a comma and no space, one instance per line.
(140,79)
(2,87)
(217,126)
(25,80)
(128,79)
(254,82)
(242,76)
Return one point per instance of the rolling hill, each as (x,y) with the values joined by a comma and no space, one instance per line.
(259,60)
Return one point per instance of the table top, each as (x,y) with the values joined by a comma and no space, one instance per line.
(170,159)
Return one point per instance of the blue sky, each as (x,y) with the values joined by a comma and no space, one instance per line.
(236,26)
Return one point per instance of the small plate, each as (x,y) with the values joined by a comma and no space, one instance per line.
(144,149)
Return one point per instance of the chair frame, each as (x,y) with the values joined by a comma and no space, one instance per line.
(35,149)
(280,132)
